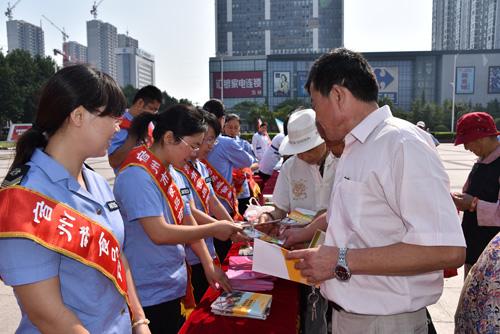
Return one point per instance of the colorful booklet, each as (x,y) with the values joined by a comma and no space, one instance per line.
(318,239)
(256,234)
(243,304)
(299,217)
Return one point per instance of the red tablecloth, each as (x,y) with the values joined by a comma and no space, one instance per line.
(283,319)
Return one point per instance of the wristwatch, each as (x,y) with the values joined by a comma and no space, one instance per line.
(342,272)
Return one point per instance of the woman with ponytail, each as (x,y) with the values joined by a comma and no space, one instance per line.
(154,201)
(60,231)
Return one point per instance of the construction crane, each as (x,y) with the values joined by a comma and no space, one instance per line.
(63,32)
(93,11)
(8,12)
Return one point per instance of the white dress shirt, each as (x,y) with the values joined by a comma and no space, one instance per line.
(390,187)
(259,144)
(300,185)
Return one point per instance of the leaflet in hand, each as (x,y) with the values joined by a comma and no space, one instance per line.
(256,234)
(243,304)
(270,259)
(299,217)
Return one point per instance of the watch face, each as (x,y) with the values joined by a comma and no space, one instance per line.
(342,273)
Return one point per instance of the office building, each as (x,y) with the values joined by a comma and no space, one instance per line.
(75,52)
(25,36)
(465,24)
(402,76)
(102,40)
(125,41)
(275,27)
(136,67)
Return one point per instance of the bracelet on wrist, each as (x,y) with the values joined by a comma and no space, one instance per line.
(144,321)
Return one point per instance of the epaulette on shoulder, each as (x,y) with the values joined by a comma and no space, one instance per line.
(88,167)
(15,176)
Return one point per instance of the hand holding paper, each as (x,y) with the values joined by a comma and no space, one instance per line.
(315,264)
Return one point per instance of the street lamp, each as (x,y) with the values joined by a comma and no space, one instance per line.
(453,84)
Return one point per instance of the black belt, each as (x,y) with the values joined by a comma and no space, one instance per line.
(335,306)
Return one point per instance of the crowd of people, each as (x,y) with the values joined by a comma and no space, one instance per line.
(85,258)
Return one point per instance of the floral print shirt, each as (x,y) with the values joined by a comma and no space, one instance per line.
(478,310)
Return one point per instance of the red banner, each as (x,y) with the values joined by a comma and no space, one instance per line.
(237,84)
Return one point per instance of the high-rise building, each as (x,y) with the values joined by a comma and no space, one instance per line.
(465,24)
(125,41)
(102,41)
(25,36)
(75,52)
(136,67)
(248,28)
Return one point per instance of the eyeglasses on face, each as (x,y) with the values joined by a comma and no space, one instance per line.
(193,148)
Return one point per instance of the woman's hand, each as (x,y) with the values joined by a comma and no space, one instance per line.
(215,274)
(462,201)
(224,230)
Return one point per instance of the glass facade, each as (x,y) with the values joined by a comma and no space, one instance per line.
(248,28)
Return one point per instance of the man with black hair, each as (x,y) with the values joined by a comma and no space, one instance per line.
(147,99)
(392,225)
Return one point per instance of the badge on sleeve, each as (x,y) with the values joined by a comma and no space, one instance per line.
(112,205)
(15,176)
(208,180)
(185,191)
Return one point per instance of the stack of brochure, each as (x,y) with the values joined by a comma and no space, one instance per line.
(243,304)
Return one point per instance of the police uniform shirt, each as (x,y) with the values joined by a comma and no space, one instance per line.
(159,271)
(84,290)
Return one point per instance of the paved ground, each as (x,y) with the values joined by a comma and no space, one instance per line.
(456,161)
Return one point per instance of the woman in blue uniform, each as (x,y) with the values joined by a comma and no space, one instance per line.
(154,201)
(61,232)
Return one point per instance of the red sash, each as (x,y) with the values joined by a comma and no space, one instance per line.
(25,213)
(224,190)
(125,124)
(197,183)
(141,156)
(239,177)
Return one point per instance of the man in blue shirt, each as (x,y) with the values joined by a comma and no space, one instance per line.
(147,99)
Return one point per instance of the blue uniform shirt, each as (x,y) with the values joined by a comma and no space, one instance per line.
(159,271)
(226,155)
(85,291)
(192,259)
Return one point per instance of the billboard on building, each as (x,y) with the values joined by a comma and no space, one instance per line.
(388,82)
(237,84)
(301,82)
(281,86)
(465,80)
(494,80)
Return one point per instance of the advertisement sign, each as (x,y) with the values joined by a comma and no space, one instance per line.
(238,84)
(388,82)
(16,130)
(494,80)
(301,82)
(281,85)
(465,80)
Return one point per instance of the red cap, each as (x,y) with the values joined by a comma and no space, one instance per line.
(473,126)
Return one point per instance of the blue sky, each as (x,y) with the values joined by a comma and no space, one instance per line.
(181,33)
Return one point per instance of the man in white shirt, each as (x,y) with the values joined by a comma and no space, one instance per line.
(392,222)
(260,141)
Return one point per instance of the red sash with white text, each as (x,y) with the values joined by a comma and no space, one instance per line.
(25,213)
(141,156)
(239,177)
(198,183)
(224,190)
(126,123)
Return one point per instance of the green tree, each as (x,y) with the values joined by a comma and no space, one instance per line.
(285,108)
(129,91)
(22,79)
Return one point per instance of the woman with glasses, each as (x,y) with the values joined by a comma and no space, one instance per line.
(204,204)
(61,234)
(154,201)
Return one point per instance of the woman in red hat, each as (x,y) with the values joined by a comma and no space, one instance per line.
(480,198)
